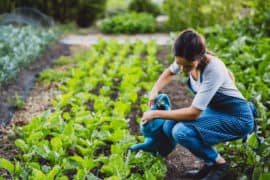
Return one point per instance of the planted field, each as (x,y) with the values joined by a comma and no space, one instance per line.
(86,134)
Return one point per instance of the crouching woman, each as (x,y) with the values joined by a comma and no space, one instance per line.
(218,113)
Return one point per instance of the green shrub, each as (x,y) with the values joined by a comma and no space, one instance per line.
(262,15)
(144,6)
(188,13)
(115,7)
(89,10)
(129,23)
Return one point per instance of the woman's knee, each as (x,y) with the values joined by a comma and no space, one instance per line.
(181,133)
(167,127)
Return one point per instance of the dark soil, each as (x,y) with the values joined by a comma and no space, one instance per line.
(26,79)
(97,173)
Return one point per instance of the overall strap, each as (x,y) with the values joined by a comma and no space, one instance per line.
(201,74)
(201,79)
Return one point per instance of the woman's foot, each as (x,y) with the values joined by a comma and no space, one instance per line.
(198,174)
(218,171)
(220,160)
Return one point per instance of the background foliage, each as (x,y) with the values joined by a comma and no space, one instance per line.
(84,12)
(144,6)
(129,23)
(192,13)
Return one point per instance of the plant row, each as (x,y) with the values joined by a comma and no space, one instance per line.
(85,135)
(19,47)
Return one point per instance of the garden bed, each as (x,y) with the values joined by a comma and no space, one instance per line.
(25,80)
(179,161)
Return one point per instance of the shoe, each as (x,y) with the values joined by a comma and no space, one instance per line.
(198,174)
(218,171)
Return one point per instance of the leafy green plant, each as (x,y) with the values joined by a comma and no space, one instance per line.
(187,13)
(115,7)
(86,136)
(50,75)
(5,164)
(146,6)
(128,23)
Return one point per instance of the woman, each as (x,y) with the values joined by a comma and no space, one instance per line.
(218,112)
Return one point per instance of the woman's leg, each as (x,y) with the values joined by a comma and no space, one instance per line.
(189,138)
(167,128)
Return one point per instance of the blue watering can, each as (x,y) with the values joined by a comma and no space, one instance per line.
(156,141)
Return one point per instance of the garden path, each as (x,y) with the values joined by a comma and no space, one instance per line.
(88,40)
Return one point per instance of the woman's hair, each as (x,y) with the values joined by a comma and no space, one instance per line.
(191,46)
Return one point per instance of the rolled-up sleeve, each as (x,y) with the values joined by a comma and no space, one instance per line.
(174,68)
(212,81)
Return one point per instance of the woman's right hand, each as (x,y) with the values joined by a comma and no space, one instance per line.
(152,98)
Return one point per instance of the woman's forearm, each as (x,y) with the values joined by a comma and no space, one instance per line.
(163,80)
(183,114)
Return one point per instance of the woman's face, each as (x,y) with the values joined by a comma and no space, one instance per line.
(185,65)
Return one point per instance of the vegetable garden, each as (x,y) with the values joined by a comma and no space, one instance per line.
(87,131)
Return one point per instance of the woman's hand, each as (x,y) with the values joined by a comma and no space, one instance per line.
(147,116)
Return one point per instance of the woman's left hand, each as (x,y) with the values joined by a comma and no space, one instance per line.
(147,116)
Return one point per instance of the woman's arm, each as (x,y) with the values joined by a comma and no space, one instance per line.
(183,114)
(231,74)
(163,80)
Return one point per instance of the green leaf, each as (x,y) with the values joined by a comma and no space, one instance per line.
(265,176)
(18,168)
(78,160)
(91,176)
(37,174)
(252,141)
(22,145)
(6,164)
(257,172)
(62,178)
(51,175)
(81,174)
(56,143)
(113,178)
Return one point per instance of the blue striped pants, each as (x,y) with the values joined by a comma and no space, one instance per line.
(189,138)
